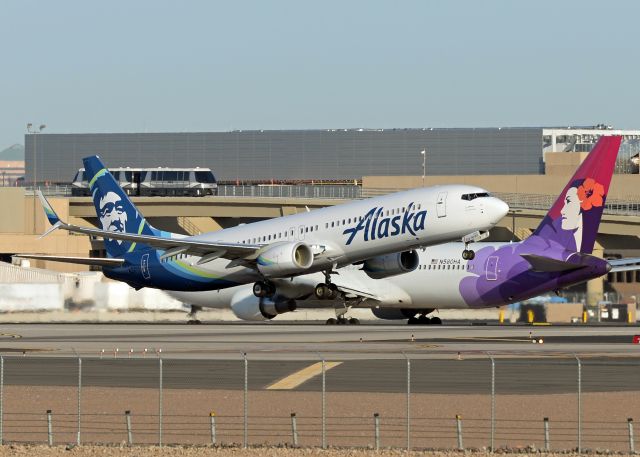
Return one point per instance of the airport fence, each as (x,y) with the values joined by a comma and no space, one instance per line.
(463,401)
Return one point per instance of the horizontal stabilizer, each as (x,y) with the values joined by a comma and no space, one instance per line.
(624,268)
(628,264)
(549,265)
(101,262)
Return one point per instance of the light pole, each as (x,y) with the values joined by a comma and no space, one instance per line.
(513,223)
(34,132)
(424,164)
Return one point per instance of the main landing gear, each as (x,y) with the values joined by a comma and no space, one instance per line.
(326,290)
(341,320)
(262,289)
(424,320)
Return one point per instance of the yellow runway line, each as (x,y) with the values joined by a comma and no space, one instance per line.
(295,379)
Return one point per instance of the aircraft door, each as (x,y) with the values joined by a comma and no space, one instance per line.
(441,204)
(492,268)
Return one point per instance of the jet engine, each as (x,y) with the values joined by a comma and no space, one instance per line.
(388,265)
(248,307)
(398,313)
(284,259)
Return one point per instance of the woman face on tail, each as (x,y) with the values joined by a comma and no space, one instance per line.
(570,213)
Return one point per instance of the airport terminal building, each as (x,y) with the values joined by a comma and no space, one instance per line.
(322,155)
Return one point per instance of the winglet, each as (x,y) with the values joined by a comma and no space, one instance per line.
(53,228)
(53,218)
(48,209)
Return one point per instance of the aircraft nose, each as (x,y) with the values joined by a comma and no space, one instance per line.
(497,210)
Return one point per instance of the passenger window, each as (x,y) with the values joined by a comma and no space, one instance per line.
(326,225)
(316,227)
(331,223)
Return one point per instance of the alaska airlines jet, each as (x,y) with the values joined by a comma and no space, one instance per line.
(555,256)
(382,231)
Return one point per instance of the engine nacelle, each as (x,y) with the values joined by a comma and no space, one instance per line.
(393,314)
(248,307)
(285,259)
(388,265)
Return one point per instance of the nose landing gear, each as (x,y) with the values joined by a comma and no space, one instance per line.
(469,254)
(193,315)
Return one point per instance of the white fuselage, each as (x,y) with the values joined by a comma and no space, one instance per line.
(435,284)
(343,234)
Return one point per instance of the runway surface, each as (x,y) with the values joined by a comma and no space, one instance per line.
(366,358)
(307,341)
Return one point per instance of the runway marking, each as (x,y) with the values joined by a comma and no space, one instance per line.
(488,338)
(10,335)
(295,379)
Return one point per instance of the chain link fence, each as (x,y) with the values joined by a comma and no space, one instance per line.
(400,401)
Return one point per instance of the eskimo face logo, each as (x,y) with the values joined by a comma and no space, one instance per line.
(113,217)
(375,226)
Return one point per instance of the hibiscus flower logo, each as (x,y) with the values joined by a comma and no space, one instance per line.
(591,194)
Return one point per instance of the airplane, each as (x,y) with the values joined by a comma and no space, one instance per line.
(555,256)
(382,232)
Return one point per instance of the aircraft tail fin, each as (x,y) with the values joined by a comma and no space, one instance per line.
(573,220)
(116,212)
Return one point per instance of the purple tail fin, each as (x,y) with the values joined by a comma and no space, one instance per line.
(573,220)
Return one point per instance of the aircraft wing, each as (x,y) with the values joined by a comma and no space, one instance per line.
(94,261)
(629,264)
(207,250)
(354,293)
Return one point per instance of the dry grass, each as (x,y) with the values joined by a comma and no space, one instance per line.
(122,451)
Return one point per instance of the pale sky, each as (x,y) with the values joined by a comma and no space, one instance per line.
(155,66)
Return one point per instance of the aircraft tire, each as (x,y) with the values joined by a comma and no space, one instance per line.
(331,321)
(321,291)
(436,321)
(261,289)
(354,321)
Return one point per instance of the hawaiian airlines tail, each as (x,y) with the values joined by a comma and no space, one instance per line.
(573,220)
(114,209)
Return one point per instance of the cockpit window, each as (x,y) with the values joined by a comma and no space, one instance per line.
(474,196)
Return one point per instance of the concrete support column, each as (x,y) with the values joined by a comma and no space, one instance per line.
(595,287)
